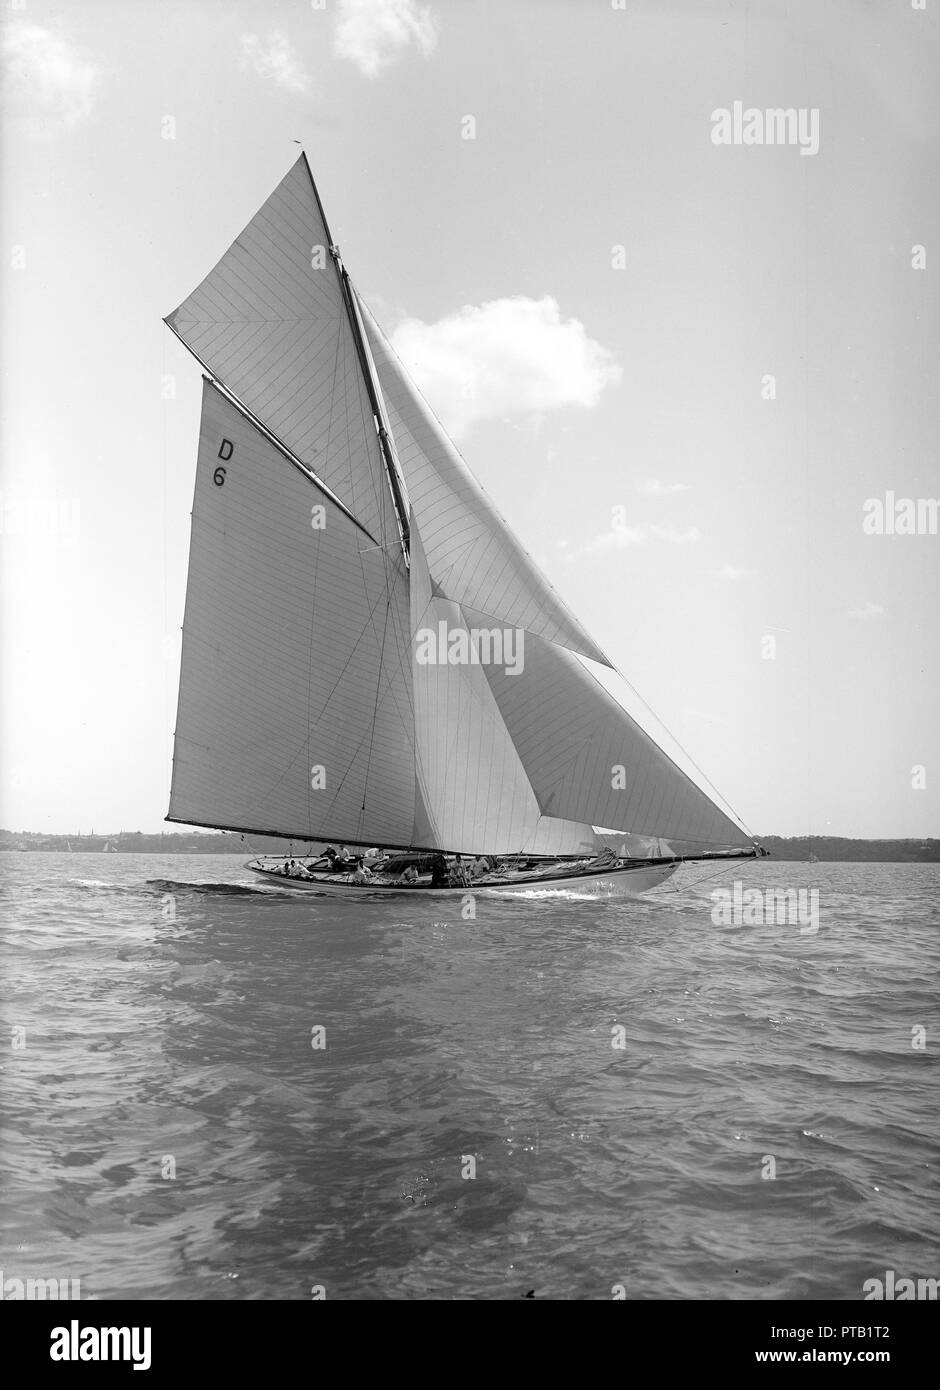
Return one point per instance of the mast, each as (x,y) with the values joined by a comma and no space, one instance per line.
(392,468)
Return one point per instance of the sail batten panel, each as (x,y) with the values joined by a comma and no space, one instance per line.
(295,705)
(490,570)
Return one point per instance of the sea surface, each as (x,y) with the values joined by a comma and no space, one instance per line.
(227,1092)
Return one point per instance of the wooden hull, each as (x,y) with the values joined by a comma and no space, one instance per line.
(622,880)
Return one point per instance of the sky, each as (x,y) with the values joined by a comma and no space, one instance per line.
(681,367)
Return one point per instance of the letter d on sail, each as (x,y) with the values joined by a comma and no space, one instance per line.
(226,444)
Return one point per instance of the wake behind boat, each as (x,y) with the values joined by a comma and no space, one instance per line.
(369,654)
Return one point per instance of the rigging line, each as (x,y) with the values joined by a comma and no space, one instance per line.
(313,609)
(388,452)
(166,711)
(646,734)
(366,626)
(404,641)
(378,688)
(371,381)
(684,751)
(358,748)
(329,433)
(407,724)
(278,780)
(404,634)
(407,377)
(389,545)
(708,877)
(297,835)
(369,433)
(365,434)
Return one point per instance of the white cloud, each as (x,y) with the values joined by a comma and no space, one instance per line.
(652,487)
(870,610)
(373,33)
(506,357)
(47,82)
(623,537)
(618,538)
(674,536)
(273,58)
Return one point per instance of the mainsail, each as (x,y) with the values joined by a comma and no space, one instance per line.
(295,711)
(336,531)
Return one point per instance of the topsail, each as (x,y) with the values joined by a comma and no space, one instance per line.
(336,532)
(270,323)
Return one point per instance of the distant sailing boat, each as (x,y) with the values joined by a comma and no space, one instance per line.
(369,655)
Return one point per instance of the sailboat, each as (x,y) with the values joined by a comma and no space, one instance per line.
(369,655)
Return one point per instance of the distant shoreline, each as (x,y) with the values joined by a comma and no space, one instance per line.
(825,849)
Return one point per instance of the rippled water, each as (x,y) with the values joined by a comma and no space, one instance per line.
(169,1005)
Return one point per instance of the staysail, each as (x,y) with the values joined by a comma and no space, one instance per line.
(349,584)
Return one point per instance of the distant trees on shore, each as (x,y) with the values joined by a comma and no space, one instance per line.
(825,848)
